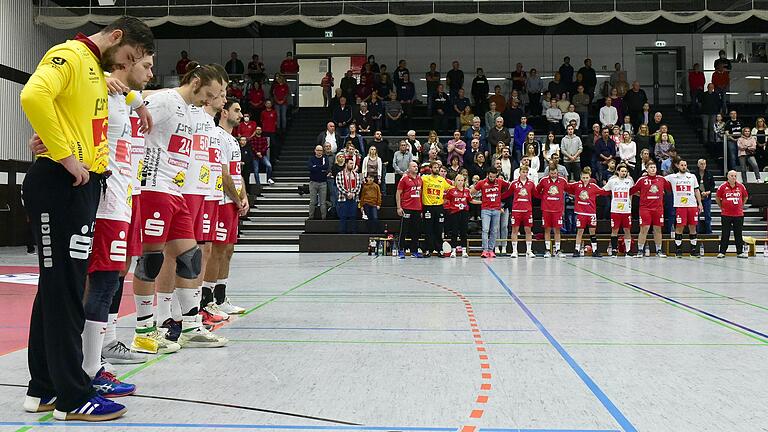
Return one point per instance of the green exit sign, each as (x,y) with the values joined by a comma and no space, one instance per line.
(329,33)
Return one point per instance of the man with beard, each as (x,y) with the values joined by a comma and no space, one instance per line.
(65,101)
(685,190)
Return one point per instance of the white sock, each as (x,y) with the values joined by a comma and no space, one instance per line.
(557,246)
(111,334)
(189,299)
(175,307)
(145,309)
(594,246)
(93,337)
(529,246)
(514,248)
(578,247)
(627,245)
(164,301)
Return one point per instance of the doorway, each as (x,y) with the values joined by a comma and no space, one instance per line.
(318,57)
(657,71)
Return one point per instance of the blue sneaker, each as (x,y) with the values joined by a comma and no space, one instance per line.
(401,254)
(417,255)
(39,404)
(107,385)
(95,409)
(174,329)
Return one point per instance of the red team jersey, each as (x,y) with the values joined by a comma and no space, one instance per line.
(456,200)
(732,199)
(552,193)
(651,189)
(523,194)
(585,197)
(491,193)
(410,199)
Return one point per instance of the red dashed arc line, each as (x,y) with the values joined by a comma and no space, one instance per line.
(485,364)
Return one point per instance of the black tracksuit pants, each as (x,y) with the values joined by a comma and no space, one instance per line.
(62,218)
(736,223)
(433,227)
(409,235)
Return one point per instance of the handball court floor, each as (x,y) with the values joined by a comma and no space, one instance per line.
(348,342)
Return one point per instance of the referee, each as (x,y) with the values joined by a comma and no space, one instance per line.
(65,101)
(731,197)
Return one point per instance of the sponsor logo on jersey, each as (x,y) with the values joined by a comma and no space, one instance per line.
(178,179)
(654,189)
(58,61)
(584,195)
(553,190)
(205,174)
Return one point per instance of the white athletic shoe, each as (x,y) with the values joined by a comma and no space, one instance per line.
(559,254)
(661,254)
(194,335)
(453,253)
(547,254)
(503,250)
(742,255)
(118,353)
(270,181)
(464,253)
(513,254)
(215,309)
(721,255)
(530,254)
(230,309)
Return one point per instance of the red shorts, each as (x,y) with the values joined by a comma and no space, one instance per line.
(210,218)
(195,205)
(110,246)
(585,221)
(686,215)
(164,217)
(552,219)
(620,221)
(523,219)
(226,224)
(134,232)
(651,217)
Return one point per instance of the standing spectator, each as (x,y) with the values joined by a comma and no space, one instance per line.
(260,148)
(747,147)
(476,128)
(498,133)
(707,188)
(615,75)
(551,191)
(371,61)
(733,128)
(385,153)
(393,110)
(457,216)
(340,162)
(400,71)
(622,86)
(246,157)
(408,201)
(581,102)
(348,85)
(357,141)
(370,203)
(627,150)
(519,78)
(255,69)
(318,187)
(441,109)
(181,65)
(327,84)
(456,148)
(490,190)
(373,166)
(722,60)
(571,148)
(710,107)
(330,136)
(490,116)
(348,183)
(342,116)
(512,114)
(364,89)
(520,134)
(234,66)
(281,92)
(608,114)
(556,86)
(731,197)
(721,78)
(534,86)
(246,128)
(256,101)
(459,103)
(289,65)
(563,102)
(634,101)
(362,119)
(455,79)
(480,90)
(401,161)
(376,107)
(760,132)
(433,81)
(571,116)
(269,128)
(696,83)
(656,123)
(497,98)
(550,147)
(605,149)
(414,145)
(554,117)
(590,77)
(384,83)
(406,93)
(566,71)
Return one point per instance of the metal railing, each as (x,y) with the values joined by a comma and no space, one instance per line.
(746,87)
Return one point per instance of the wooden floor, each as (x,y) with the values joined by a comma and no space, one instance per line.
(352,342)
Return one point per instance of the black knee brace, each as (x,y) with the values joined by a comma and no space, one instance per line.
(148,266)
(189,264)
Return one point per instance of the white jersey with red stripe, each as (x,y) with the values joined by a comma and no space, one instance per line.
(116,202)
(137,154)
(231,151)
(168,147)
(621,200)
(216,159)
(684,187)
(198,181)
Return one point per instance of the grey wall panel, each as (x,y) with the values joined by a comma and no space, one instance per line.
(14,130)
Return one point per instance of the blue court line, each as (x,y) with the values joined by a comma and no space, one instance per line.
(601,396)
(280,427)
(711,315)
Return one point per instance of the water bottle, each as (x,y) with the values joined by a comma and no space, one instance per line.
(395,248)
(380,247)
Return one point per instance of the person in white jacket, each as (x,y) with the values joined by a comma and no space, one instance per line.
(372,166)
(608,114)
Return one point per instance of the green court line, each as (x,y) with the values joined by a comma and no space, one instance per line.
(134,371)
(688,285)
(391,342)
(718,264)
(721,324)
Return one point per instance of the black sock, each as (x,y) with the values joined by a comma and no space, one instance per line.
(614,243)
(678,241)
(220,293)
(206,296)
(693,238)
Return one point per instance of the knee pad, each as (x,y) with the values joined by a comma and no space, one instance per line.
(189,264)
(148,266)
(101,289)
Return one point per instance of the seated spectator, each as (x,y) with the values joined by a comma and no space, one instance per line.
(554,116)
(472,152)
(663,129)
(550,147)
(645,157)
(571,149)
(394,113)
(571,115)
(498,133)
(401,161)
(456,148)
(667,164)
(370,203)
(479,167)
(627,126)
(363,120)
(330,136)
(454,168)
(500,146)
(374,166)
(655,123)
(490,116)
(342,116)
(348,184)
(476,128)
(459,103)
(627,150)
(466,118)
(643,139)
(531,153)
(661,150)
(426,165)
(608,114)
(747,145)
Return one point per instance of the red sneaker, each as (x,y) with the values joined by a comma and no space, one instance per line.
(210,319)
(484,254)
(491,254)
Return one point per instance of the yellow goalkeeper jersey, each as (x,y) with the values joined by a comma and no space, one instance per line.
(433,190)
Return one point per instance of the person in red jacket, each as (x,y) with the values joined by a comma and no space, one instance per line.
(281,94)
(408,199)
(289,65)
(651,188)
(490,189)
(696,83)
(585,194)
(246,128)
(551,191)
(256,101)
(269,127)
(456,206)
(523,190)
(731,197)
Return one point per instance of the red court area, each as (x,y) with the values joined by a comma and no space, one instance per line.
(18,285)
